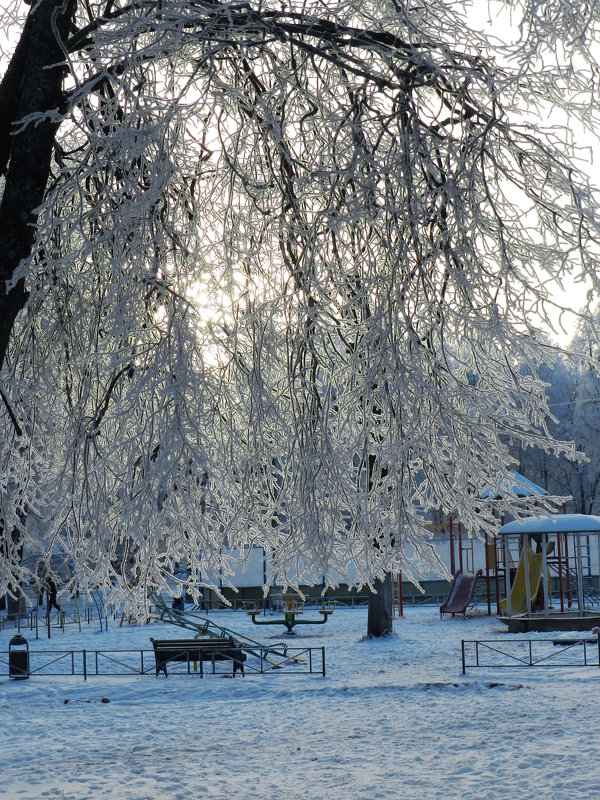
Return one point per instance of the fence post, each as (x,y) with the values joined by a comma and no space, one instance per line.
(462,645)
(85,665)
(597,632)
(323,656)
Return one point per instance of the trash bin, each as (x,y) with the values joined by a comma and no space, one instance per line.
(18,658)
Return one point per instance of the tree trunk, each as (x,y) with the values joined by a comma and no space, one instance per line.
(32,83)
(379,622)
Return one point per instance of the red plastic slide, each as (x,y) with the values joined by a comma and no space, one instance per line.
(461,593)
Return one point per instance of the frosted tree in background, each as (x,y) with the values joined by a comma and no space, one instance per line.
(573,392)
(582,481)
(554,472)
(268,272)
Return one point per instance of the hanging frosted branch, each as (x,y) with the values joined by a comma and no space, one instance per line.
(286,270)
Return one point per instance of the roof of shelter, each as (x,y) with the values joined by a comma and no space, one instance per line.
(519,486)
(557,523)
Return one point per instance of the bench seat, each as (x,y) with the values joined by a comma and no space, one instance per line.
(197,650)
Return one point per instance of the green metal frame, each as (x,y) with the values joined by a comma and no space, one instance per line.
(290,614)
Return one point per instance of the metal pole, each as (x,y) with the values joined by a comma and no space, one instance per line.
(580,597)
(462,644)
(567,572)
(507,577)
(452,564)
(525,554)
(560,572)
(487,574)
(401,596)
(84,665)
(598,540)
(545,571)
(497,575)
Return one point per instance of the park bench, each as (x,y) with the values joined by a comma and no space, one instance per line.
(196,651)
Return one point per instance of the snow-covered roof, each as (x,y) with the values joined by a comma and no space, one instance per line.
(557,523)
(519,487)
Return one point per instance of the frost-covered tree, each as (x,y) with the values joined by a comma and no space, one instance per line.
(584,418)
(550,470)
(268,272)
(573,392)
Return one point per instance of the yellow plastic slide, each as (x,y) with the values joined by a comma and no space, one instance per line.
(518,595)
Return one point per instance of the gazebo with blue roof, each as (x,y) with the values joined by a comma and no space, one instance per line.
(552,586)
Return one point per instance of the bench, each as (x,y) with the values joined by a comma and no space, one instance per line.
(197,650)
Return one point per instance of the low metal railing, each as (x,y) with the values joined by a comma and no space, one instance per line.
(34,618)
(583,651)
(93,663)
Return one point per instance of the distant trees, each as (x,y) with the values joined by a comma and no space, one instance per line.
(253,257)
(574,400)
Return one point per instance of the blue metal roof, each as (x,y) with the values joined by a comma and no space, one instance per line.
(518,487)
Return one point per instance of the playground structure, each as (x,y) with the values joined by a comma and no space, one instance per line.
(487,583)
(549,589)
(291,606)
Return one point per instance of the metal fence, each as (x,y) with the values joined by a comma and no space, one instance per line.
(28,615)
(578,652)
(93,663)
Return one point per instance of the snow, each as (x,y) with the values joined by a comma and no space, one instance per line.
(560,523)
(392,718)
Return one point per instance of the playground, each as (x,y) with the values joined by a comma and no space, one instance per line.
(540,574)
(391,718)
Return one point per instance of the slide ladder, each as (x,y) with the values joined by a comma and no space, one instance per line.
(479,594)
(591,594)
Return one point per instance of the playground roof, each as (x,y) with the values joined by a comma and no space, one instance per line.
(519,487)
(559,523)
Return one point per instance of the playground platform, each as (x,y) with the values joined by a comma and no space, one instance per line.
(544,622)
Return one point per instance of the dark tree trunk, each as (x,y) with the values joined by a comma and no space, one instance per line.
(379,622)
(31,83)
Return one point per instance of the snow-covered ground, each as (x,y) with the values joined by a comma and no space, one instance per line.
(394,718)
